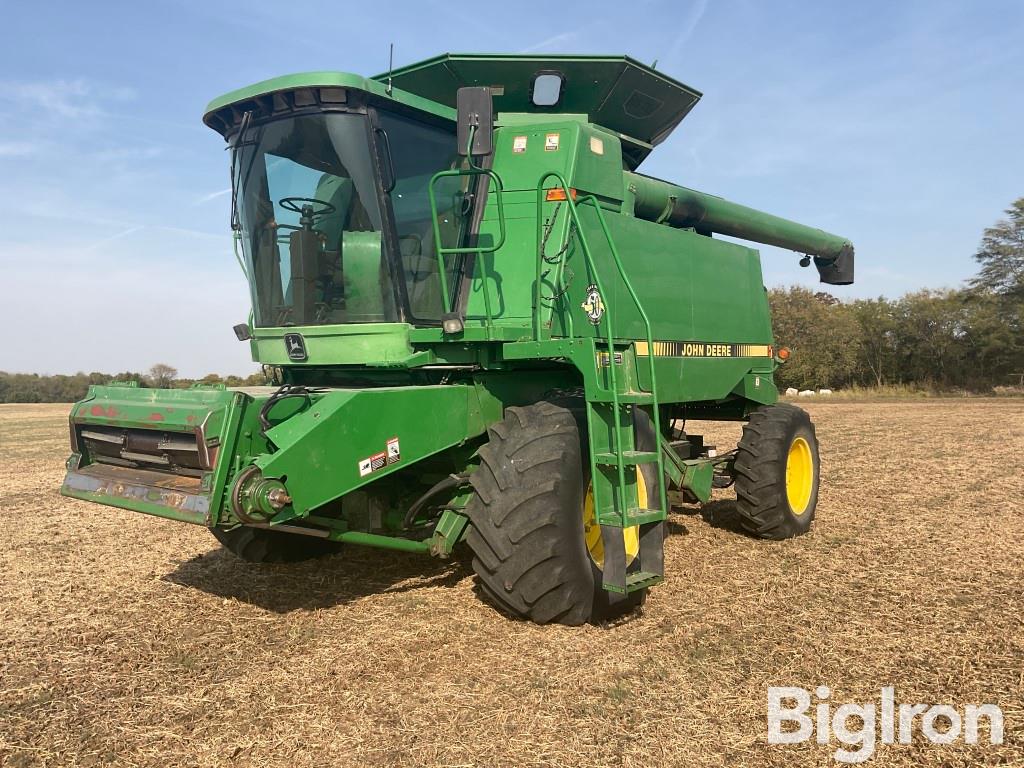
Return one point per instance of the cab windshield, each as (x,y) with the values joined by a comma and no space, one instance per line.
(318,247)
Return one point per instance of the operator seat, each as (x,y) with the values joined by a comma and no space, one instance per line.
(353,266)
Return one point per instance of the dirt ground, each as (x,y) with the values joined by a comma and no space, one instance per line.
(129,640)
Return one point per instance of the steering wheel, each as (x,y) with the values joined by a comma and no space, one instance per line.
(292,204)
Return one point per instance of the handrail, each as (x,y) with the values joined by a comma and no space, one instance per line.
(441,251)
(655,409)
(607,317)
(613,380)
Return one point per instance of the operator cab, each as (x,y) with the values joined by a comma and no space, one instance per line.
(332,210)
(333,175)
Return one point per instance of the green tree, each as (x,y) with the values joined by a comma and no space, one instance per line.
(994,337)
(932,338)
(822,335)
(876,319)
(996,299)
(1001,255)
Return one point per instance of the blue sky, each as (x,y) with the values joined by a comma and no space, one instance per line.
(896,124)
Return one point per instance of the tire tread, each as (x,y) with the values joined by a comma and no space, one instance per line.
(760,468)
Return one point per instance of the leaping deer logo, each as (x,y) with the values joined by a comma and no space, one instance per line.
(295,346)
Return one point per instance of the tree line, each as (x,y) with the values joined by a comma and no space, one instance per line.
(931,340)
(969,338)
(34,388)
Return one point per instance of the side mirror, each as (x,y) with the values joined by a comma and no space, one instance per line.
(242,331)
(475,110)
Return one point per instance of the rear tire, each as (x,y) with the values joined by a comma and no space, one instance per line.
(777,469)
(527,537)
(261,545)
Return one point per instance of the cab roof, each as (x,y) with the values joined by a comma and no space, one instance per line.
(616,92)
(307,90)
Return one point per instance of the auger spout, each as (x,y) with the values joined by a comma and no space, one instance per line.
(657,200)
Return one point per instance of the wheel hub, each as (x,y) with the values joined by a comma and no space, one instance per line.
(799,475)
(592,531)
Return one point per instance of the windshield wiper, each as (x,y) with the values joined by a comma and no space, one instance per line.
(236,182)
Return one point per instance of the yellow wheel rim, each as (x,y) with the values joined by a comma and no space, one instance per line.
(799,476)
(592,531)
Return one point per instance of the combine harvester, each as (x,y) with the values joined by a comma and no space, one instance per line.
(483,325)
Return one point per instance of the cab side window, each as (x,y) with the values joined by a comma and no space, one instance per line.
(418,151)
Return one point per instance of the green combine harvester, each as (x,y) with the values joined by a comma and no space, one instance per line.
(482,325)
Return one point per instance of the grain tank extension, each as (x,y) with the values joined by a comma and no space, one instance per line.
(483,328)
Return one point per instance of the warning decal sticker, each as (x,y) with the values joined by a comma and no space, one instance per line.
(551,142)
(372,464)
(392,454)
(519,144)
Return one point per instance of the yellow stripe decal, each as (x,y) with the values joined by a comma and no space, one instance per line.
(703,349)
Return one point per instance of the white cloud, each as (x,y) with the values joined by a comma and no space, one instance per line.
(212,196)
(106,240)
(67,98)
(70,98)
(121,154)
(220,237)
(555,41)
(18,148)
(693,18)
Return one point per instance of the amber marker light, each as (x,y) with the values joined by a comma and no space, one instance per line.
(558,194)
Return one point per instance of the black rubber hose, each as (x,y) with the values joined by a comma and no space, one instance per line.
(288,390)
(449,483)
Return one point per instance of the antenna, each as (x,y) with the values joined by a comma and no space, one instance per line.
(391,62)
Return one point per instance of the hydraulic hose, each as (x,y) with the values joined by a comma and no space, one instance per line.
(449,483)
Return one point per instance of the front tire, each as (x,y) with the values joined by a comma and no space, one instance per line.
(777,469)
(262,545)
(527,536)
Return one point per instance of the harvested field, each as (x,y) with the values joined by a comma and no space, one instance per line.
(130,640)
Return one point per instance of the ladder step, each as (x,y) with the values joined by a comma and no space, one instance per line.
(625,398)
(635,516)
(641,579)
(628,457)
